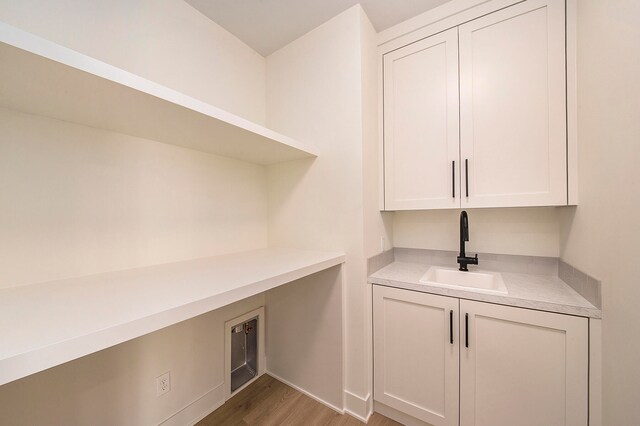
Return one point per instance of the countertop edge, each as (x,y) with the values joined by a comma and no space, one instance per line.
(495,299)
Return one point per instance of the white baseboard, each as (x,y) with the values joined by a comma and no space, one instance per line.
(399,416)
(357,406)
(198,409)
(309,394)
(214,398)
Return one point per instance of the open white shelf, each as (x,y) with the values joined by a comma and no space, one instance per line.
(47,324)
(43,78)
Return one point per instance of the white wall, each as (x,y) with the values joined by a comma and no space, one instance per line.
(166,41)
(600,236)
(117,386)
(304,334)
(521,231)
(378,226)
(77,200)
(315,92)
(153,203)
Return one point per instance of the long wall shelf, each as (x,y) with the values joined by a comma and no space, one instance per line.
(47,324)
(43,78)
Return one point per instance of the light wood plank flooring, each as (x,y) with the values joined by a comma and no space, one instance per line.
(268,401)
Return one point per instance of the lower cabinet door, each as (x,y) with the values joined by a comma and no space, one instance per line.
(522,367)
(416,354)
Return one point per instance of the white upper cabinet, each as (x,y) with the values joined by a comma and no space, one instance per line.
(421,150)
(513,107)
(476,116)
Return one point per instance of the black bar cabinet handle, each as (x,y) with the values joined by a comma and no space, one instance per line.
(466,175)
(466,330)
(451,326)
(453,179)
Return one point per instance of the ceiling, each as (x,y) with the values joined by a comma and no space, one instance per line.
(268,25)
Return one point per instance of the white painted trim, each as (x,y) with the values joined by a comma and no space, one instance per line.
(309,394)
(197,409)
(595,372)
(357,406)
(398,416)
(262,359)
(381,171)
(433,21)
(571,17)
(343,321)
(427,18)
(369,344)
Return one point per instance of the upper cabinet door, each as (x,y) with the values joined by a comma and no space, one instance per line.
(421,124)
(513,107)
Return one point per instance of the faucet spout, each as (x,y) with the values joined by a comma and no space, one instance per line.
(464,231)
(463,260)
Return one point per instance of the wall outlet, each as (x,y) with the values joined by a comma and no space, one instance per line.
(163,383)
(381,244)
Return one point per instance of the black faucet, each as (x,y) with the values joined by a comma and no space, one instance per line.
(463,260)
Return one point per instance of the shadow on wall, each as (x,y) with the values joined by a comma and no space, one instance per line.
(117,386)
(304,334)
(286,179)
(567,216)
(532,231)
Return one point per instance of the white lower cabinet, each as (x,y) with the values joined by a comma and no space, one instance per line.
(522,367)
(416,365)
(506,366)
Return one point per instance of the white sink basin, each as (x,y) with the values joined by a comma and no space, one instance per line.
(481,281)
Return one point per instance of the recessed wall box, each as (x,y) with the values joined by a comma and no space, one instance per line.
(244,351)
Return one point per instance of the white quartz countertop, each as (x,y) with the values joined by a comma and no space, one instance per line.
(540,292)
(47,324)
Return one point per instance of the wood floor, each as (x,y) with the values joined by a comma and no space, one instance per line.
(268,401)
